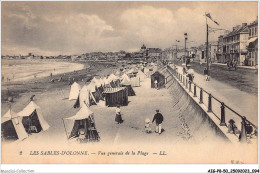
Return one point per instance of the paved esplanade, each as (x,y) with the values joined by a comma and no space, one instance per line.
(243,103)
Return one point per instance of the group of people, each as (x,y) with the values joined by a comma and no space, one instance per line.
(158,119)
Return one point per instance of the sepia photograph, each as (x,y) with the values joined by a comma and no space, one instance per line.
(129,82)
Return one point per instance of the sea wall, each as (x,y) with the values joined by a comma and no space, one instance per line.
(195,115)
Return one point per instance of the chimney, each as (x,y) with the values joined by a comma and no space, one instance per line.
(244,24)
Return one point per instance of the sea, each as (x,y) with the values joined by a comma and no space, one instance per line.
(24,70)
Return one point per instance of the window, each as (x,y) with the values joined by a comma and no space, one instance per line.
(250,32)
(255,30)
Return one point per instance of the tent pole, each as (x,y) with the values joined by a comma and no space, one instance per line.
(65,128)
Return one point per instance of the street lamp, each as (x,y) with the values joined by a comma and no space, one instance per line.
(176,50)
(185,40)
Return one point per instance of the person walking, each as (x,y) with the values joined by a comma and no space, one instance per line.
(118,118)
(156,84)
(158,118)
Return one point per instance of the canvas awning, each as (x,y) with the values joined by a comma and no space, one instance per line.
(112,77)
(253,39)
(92,87)
(112,90)
(83,113)
(8,116)
(17,123)
(125,81)
(29,109)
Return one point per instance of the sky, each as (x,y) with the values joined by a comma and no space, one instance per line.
(66,28)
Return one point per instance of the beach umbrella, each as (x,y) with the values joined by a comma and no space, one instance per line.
(190,71)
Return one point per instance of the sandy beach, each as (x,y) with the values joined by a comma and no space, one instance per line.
(24,70)
(128,136)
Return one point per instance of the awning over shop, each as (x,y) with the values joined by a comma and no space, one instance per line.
(252,40)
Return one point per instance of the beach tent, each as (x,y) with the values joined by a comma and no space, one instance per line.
(93,89)
(98,83)
(116,96)
(99,88)
(160,78)
(126,82)
(12,127)
(74,91)
(106,82)
(117,82)
(132,72)
(124,76)
(141,75)
(32,118)
(135,81)
(85,98)
(82,125)
(112,77)
(117,73)
(147,72)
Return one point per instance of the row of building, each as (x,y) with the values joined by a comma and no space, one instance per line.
(240,45)
(145,54)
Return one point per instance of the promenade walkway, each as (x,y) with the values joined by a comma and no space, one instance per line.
(243,103)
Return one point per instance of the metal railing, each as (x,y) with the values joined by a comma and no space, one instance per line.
(216,106)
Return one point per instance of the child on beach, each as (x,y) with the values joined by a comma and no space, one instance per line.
(147,126)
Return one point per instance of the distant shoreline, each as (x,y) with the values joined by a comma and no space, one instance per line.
(59,82)
(24,70)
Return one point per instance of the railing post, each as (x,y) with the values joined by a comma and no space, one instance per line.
(189,86)
(243,130)
(201,95)
(186,85)
(181,78)
(222,120)
(209,103)
(195,92)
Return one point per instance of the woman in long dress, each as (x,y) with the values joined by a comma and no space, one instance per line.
(118,118)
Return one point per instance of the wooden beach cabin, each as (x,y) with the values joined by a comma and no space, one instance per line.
(159,76)
(116,96)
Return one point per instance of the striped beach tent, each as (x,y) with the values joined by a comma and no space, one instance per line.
(116,96)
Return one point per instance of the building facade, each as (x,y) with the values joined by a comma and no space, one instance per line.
(235,44)
(252,46)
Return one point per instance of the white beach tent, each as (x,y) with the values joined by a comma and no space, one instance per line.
(141,75)
(146,71)
(117,73)
(112,77)
(92,87)
(82,124)
(32,113)
(74,91)
(97,82)
(12,126)
(85,96)
(124,76)
(106,82)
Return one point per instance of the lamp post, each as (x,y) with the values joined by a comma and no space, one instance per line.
(176,50)
(185,51)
